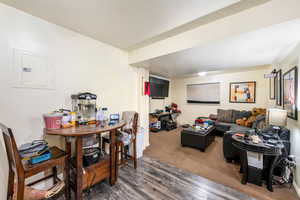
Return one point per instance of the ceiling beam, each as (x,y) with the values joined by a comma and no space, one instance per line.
(259,14)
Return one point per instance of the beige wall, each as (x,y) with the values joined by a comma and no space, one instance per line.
(80,63)
(158,104)
(191,111)
(143,103)
(292,60)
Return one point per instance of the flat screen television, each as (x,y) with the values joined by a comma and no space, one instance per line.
(159,88)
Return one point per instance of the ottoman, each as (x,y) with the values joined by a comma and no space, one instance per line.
(199,139)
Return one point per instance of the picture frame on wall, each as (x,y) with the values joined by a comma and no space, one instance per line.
(278,88)
(272,88)
(290,92)
(242,92)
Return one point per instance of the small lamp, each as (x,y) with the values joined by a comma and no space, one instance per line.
(277,117)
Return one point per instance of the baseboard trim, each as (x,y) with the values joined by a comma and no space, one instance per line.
(297,188)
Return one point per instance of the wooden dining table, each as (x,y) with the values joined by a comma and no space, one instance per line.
(81,177)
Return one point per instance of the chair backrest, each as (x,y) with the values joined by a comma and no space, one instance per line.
(135,123)
(133,120)
(14,159)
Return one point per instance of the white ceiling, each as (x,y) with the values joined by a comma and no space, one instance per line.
(121,23)
(260,47)
(128,23)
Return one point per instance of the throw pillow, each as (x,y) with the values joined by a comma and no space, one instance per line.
(260,122)
(246,114)
(225,115)
(236,114)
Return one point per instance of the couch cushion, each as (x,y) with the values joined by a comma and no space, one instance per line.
(225,115)
(222,126)
(237,128)
(246,113)
(237,114)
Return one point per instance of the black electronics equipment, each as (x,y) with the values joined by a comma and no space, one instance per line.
(91,156)
(170,125)
(159,88)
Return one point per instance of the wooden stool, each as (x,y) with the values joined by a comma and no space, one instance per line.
(23,171)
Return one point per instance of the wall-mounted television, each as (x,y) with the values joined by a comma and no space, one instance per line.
(159,88)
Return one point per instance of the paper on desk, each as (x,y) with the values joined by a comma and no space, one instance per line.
(255,159)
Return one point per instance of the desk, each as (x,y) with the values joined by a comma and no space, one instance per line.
(103,169)
(271,152)
(163,118)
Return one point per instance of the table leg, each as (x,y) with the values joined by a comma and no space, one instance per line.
(79,173)
(117,158)
(270,173)
(67,168)
(244,163)
(113,159)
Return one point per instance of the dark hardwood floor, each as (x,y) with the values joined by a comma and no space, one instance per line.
(166,147)
(154,180)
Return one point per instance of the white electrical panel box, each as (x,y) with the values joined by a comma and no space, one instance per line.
(32,71)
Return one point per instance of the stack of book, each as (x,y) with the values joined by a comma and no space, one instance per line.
(36,152)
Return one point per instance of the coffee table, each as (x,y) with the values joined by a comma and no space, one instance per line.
(199,139)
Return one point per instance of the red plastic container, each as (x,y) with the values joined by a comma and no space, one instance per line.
(53,120)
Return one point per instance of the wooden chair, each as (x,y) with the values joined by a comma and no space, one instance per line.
(122,154)
(23,171)
(120,147)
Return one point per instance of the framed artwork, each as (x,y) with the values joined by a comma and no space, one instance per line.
(290,92)
(278,89)
(272,88)
(242,92)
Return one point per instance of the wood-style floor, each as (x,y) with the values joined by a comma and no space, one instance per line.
(154,180)
(165,147)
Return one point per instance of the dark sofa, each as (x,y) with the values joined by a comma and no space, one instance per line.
(226,120)
(226,126)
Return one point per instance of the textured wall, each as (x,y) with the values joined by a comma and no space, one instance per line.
(80,64)
(190,111)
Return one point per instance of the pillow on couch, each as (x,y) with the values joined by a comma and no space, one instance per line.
(246,113)
(260,122)
(225,115)
(236,114)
